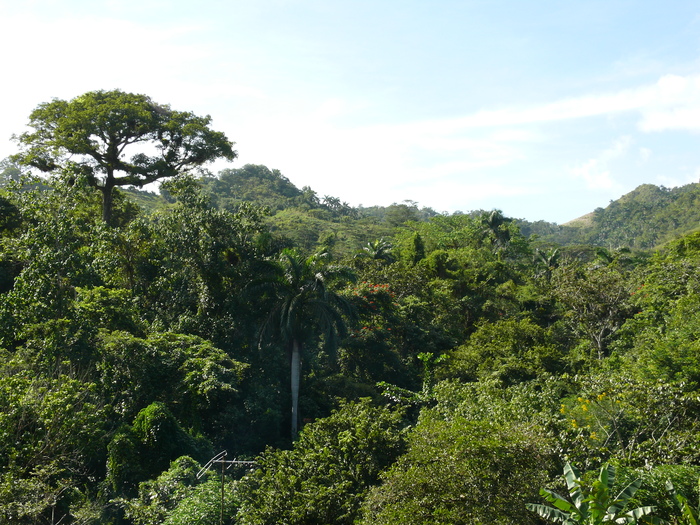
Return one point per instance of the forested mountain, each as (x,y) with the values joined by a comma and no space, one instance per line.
(297,217)
(374,365)
(646,217)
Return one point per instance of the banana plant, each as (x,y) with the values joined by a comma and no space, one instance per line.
(594,505)
(689,515)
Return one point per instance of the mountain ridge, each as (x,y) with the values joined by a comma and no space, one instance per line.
(643,218)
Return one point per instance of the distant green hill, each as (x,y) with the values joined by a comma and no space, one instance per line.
(646,217)
(255,183)
(147,200)
(301,218)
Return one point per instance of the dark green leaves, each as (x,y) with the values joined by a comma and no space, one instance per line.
(95,133)
(324,478)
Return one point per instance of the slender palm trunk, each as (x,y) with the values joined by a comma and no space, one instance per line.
(296,376)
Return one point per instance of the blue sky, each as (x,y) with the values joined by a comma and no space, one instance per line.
(543,109)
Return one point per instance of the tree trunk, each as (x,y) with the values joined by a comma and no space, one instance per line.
(296,376)
(107,202)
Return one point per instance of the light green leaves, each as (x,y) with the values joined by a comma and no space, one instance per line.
(592,505)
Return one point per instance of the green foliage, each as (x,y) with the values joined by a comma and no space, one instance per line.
(146,448)
(465,278)
(187,373)
(252,183)
(645,218)
(496,229)
(426,394)
(302,306)
(48,251)
(673,355)
(88,137)
(161,495)
(125,257)
(177,497)
(399,214)
(661,340)
(9,216)
(594,505)
(415,251)
(52,443)
(426,318)
(105,308)
(374,349)
(510,351)
(458,471)
(596,301)
(690,515)
(303,230)
(654,489)
(378,250)
(204,257)
(325,477)
(639,422)
(203,505)
(136,343)
(298,218)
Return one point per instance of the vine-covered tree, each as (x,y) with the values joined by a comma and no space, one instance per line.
(92,135)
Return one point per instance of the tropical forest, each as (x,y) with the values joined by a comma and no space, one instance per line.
(180,346)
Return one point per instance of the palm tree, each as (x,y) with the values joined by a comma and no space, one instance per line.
(379,250)
(548,260)
(302,306)
(495,228)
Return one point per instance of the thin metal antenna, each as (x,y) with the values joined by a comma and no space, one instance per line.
(213,460)
(225,465)
(221,516)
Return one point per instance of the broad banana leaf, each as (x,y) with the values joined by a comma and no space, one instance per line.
(634,515)
(552,514)
(573,483)
(556,500)
(624,496)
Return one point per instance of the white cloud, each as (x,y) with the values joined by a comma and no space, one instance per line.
(596,172)
(673,102)
(468,158)
(674,182)
(64,57)
(75,50)
(440,149)
(380,164)
(675,105)
(565,109)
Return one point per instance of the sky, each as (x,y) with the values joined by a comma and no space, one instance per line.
(544,109)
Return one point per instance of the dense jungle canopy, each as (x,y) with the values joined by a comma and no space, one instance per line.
(379,365)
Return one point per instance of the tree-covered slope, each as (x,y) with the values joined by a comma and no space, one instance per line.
(644,218)
(439,368)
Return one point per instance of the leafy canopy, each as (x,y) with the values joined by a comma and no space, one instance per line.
(113,138)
